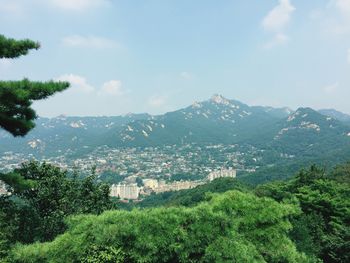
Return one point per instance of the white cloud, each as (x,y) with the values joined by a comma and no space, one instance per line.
(332,88)
(157,101)
(343,6)
(277,19)
(88,41)
(279,39)
(337,19)
(112,87)
(78,5)
(78,83)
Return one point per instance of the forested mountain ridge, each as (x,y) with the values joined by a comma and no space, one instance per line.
(303,138)
(343,117)
(53,136)
(217,120)
(214,121)
(308,129)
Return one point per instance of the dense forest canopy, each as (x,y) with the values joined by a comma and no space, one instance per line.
(233,226)
(304,219)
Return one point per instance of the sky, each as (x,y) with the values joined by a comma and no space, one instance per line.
(154,56)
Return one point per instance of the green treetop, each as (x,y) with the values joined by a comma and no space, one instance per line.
(16,97)
(11,48)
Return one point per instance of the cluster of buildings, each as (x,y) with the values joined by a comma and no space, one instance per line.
(160,168)
(132,191)
(159,162)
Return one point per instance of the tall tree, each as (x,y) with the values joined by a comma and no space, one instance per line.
(16,97)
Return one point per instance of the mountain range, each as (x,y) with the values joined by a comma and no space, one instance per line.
(304,134)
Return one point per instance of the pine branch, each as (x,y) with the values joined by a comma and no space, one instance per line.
(11,48)
(16,181)
(16,98)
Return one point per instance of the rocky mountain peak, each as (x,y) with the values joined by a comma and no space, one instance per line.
(219,99)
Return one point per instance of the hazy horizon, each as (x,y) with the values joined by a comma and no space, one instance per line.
(161,113)
(159,56)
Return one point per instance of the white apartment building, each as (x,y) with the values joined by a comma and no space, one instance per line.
(125,191)
(222,173)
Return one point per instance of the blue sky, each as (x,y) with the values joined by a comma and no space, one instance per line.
(159,55)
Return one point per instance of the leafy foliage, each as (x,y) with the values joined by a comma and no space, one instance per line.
(16,181)
(308,221)
(341,173)
(97,254)
(38,213)
(225,229)
(323,229)
(7,225)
